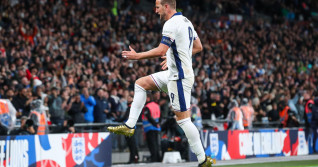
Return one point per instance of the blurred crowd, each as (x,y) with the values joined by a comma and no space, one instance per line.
(67,53)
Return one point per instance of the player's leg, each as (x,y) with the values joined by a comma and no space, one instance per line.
(180,96)
(141,86)
(193,136)
(192,133)
(154,82)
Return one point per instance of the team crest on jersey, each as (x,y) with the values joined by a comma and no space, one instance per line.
(78,149)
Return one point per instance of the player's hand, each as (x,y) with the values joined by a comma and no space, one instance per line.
(164,63)
(130,55)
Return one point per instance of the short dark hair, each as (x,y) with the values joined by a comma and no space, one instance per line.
(29,123)
(33,67)
(171,3)
(70,123)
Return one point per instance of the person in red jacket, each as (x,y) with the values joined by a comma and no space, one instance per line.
(32,76)
(28,37)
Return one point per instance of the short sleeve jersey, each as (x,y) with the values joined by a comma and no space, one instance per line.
(178,33)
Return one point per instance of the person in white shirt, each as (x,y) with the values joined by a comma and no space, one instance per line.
(179,42)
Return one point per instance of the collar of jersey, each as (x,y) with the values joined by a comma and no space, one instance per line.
(178,13)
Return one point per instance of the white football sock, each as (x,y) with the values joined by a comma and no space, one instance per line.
(193,136)
(137,105)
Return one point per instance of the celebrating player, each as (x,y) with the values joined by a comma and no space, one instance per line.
(179,42)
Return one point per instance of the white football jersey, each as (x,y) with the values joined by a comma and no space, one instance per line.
(178,33)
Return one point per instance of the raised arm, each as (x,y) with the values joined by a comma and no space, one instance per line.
(159,51)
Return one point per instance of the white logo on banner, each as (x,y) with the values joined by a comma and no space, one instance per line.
(214,143)
(260,143)
(16,153)
(246,143)
(302,147)
(78,149)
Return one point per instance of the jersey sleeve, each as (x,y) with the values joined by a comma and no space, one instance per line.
(168,34)
(195,35)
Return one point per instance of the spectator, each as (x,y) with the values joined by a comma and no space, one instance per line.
(292,120)
(32,75)
(235,116)
(21,102)
(101,108)
(55,104)
(314,123)
(89,103)
(196,116)
(28,36)
(39,118)
(283,113)
(300,106)
(273,115)
(123,100)
(67,127)
(25,82)
(308,111)
(213,106)
(163,100)
(9,94)
(28,128)
(114,103)
(41,95)
(248,114)
(150,119)
(77,109)
(66,98)
(22,124)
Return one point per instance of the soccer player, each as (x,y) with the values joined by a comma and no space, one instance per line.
(179,42)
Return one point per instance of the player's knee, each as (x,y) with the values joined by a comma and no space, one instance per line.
(138,81)
(146,83)
(141,82)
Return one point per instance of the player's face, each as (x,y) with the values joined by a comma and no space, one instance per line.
(160,10)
